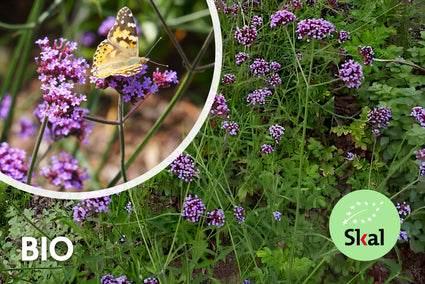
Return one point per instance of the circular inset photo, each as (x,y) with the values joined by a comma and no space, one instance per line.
(104,104)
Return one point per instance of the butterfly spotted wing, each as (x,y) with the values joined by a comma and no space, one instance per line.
(119,53)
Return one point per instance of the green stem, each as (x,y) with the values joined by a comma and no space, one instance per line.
(23,55)
(122,142)
(36,148)
(371,163)
(105,154)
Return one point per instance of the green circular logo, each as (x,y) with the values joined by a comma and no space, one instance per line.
(364,225)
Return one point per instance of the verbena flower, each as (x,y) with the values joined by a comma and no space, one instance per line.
(64,172)
(59,71)
(351,73)
(266,149)
(258,96)
(151,280)
(184,168)
(299,56)
(216,218)
(420,155)
(276,131)
(106,25)
(342,52)
(401,220)
(88,38)
(419,114)
(259,67)
(256,21)
(219,107)
(193,208)
(247,281)
(367,53)
(274,80)
(110,279)
(164,80)
(82,209)
(131,87)
(5,106)
(246,35)
(379,118)
(297,5)
(343,36)
(241,57)
(231,127)
(78,127)
(403,209)
(277,215)
(228,79)
(128,207)
(314,28)
(227,10)
(349,156)
(239,214)
(13,162)
(403,236)
(281,18)
(275,66)
(27,128)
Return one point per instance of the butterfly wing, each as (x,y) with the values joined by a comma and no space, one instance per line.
(124,33)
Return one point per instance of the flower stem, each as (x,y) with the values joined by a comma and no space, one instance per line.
(121,133)
(36,148)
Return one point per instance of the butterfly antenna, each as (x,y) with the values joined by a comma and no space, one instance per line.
(159,64)
(153,46)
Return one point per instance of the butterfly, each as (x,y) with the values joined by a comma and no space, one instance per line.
(119,53)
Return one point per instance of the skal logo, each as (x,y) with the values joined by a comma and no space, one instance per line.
(364,225)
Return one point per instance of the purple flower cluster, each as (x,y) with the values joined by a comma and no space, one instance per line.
(27,128)
(297,5)
(184,168)
(216,218)
(379,117)
(274,80)
(281,18)
(403,236)
(259,67)
(275,66)
(266,149)
(109,279)
(164,80)
(351,73)
(403,209)
(277,215)
(239,214)
(231,127)
(241,57)
(150,280)
(193,208)
(420,155)
(228,79)
(258,96)
(349,156)
(367,53)
(107,24)
(256,21)
(299,56)
(5,106)
(78,127)
(64,172)
(419,114)
(128,207)
(343,36)
(276,131)
(219,107)
(227,10)
(314,28)
(82,209)
(246,35)
(13,162)
(59,70)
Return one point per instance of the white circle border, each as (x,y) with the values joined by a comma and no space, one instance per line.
(162,165)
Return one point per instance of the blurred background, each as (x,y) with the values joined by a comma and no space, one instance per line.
(79,21)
